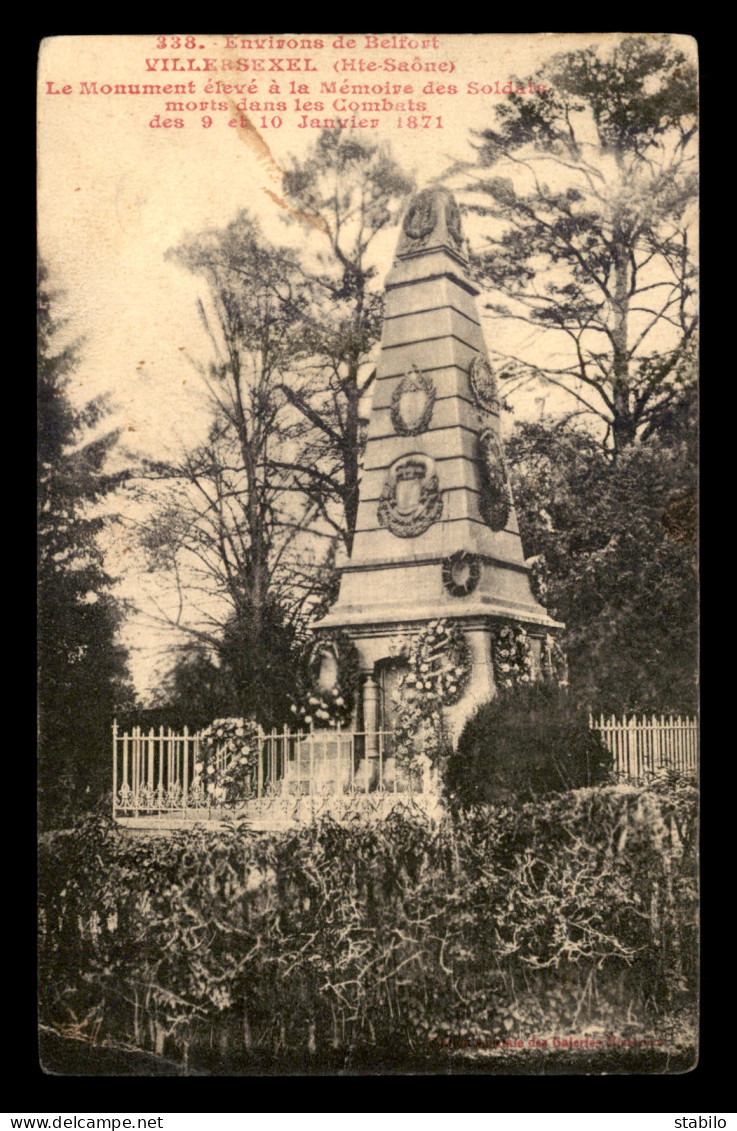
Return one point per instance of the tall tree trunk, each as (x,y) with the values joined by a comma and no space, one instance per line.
(623,426)
(352,456)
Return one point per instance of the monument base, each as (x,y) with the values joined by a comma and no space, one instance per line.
(380,663)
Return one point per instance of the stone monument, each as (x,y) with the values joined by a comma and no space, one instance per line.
(436,534)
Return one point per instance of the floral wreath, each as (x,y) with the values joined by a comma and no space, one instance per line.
(228,759)
(334,706)
(439,661)
(512,656)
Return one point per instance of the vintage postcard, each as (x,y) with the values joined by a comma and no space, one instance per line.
(367,540)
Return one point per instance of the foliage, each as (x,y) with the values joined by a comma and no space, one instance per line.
(527,741)
(242,521)
(259,667)
(238,674)
(229,751)
(439,662)
(194,692)
(589,192)
(570,914)
(613,554)
(512,655)
(224,523)
(345,193)
(83,676)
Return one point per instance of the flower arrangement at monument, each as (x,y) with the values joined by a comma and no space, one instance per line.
(512,656)
(228,758)
(328,702)
(439,661)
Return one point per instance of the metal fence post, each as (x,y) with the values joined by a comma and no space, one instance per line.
(115,763)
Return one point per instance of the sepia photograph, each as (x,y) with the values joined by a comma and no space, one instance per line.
(368,698)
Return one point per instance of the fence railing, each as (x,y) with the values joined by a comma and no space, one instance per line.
(159,772)
(644,746)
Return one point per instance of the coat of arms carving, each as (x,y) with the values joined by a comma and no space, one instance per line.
(412,403)
(411,500)
(494,501)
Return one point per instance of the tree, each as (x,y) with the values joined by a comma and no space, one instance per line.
(352,190)
(613,551)
(82,667)
(228,515)
(592,209)
(242,518)
(192,693)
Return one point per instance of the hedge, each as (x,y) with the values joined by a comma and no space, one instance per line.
(529,740)
(504,921)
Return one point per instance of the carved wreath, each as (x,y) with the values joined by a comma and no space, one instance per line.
(412,383)
(461,572)
(413,522)
(494,501)
(421,216)
(483,383)
(453,222)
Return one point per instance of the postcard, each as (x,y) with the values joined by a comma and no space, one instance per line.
(367,587)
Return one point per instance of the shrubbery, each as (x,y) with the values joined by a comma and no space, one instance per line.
(527,741)
(575,910)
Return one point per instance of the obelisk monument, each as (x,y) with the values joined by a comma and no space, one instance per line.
(436,533)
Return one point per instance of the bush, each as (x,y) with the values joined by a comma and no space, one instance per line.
(528,741)
(505,922)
